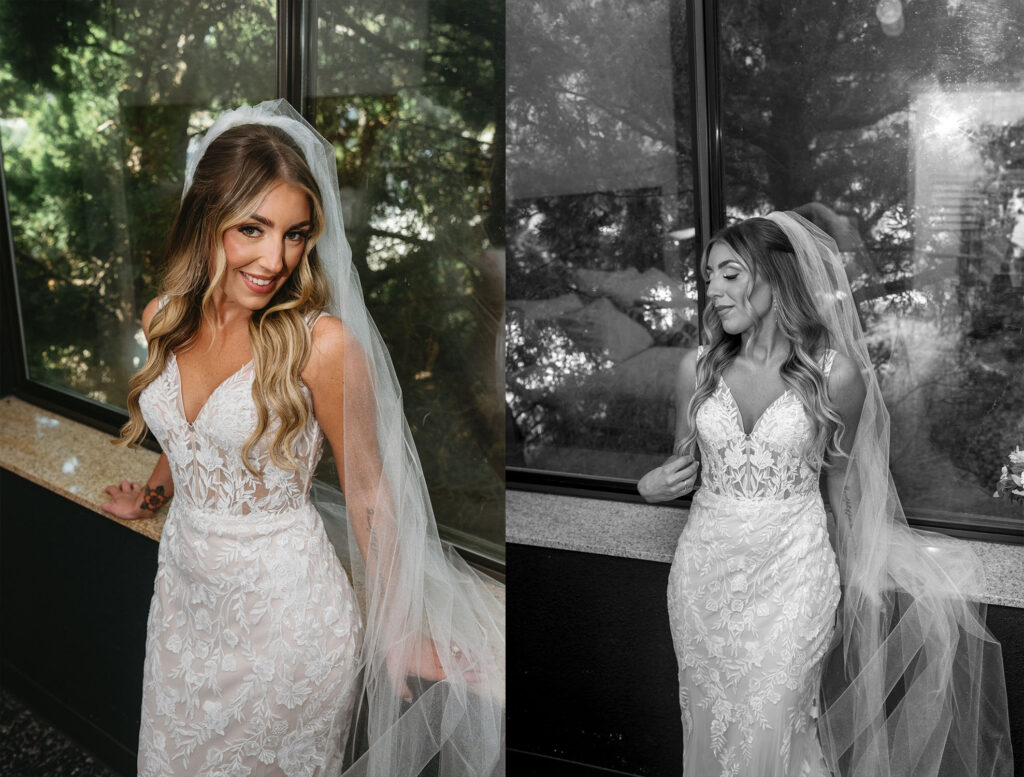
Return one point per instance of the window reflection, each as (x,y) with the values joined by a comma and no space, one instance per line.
(899,133)
(601,286)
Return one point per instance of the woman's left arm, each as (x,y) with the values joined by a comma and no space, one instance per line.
(846,391)
(341,383)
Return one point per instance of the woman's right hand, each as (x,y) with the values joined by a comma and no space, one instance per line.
(126,501)
(676,477)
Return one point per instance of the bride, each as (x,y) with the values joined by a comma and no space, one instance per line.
(260,655)
(796,659)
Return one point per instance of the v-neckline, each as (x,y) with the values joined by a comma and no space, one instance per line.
(739,412)
(181,391)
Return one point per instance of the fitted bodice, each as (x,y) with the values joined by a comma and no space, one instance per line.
(206,455)
(765,464)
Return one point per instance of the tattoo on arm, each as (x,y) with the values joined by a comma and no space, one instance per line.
(153,498)
(373,544)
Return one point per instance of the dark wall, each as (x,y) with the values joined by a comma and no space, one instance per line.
(592,676)
(74,596)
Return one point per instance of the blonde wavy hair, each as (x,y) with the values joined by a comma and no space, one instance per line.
(237,171)
(767,253)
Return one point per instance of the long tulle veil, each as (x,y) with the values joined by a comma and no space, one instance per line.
(913,684)
(415,591)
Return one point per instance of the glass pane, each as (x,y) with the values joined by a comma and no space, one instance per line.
(899,129)
(602,295)
(412,95)
(97,101)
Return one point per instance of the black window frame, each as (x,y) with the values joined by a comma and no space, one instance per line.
(709,195)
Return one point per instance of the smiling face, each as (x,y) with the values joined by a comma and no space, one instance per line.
(740,300)
(263,249)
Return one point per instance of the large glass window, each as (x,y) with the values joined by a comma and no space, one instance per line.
(602,294)
(899,129)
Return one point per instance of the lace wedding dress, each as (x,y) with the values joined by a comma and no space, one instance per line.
(752,596)
(254,631)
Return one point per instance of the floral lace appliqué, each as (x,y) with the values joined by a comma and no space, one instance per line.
(254,632)
(752,596)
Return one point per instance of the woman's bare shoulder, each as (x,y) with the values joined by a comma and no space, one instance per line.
(686,377)
(329,335)
(844,379)
(147,314)
(332,342)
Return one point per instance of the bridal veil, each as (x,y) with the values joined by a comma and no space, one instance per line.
(913,683)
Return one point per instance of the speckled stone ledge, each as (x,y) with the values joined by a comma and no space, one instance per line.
(650,533)
(71,459)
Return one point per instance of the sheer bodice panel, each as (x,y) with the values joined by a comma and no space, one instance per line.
(206,455)
(768,463)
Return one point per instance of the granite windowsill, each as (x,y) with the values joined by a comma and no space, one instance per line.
(650,533)
(72,459)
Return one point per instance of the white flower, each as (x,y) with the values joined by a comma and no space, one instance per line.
(202,618)
(216,719)
(159,740)
(174,643)
(251,747)
(166,699)
(297,756)
(202,649)
(291,695)
(227,662)
(230,637)
(208,458)
(318,669)
(310,633)
(1017,457)
(264,669)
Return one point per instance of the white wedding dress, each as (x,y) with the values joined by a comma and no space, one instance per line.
(752,596)
(254,631)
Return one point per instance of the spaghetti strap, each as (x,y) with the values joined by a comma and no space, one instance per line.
(313,317)
(826,362)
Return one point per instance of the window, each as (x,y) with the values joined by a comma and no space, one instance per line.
(98,103)
(602,293)
(897,127)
